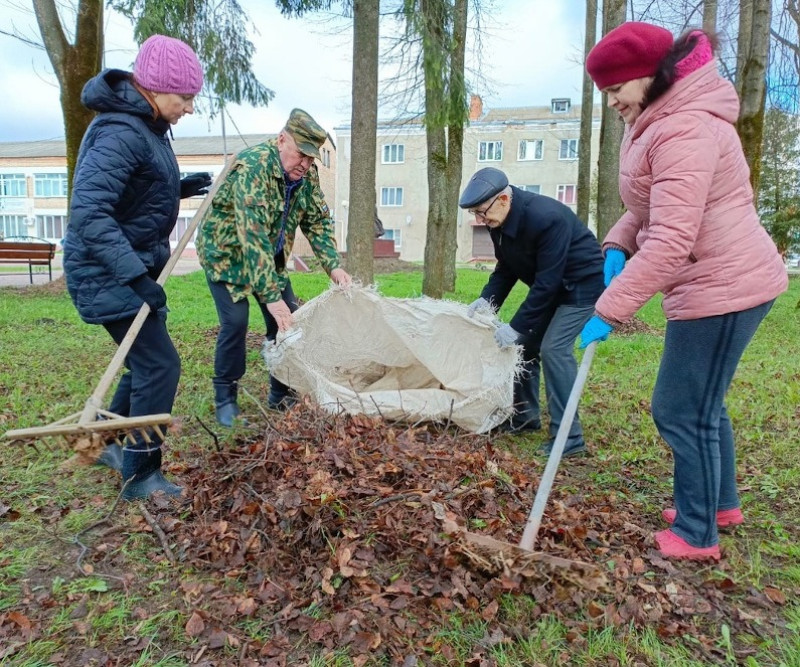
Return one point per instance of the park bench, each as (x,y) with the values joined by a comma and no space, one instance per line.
(28,250)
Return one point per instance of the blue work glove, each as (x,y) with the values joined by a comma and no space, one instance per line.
(149,291)
(615,262)
(505,336)
(195,184)
(594,329)
(479,306)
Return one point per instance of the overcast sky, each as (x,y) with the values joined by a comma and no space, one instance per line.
(531,53)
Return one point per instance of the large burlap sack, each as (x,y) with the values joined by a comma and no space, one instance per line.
(356,351)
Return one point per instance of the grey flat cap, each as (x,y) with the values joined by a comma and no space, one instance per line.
(483,185)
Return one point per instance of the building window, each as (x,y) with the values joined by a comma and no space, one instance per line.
(13,225)
(490,151)
(560,105)
(531,149)
(568,149)
(51,226)
(535,189)
(325,157)
(13,185)
(566,194)
(49,185)
(393,153)
(181,225)
(395,235)
(391,196)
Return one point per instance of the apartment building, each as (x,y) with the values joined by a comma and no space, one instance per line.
(537,147)
(33,182)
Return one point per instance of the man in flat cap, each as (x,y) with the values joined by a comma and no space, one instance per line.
(541,242)
(244,241)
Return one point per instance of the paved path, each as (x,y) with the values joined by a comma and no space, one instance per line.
(186,264)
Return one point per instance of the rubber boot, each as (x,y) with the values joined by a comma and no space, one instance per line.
(281,397)
(111,456)
(527,416)
(225,406)
(143,468)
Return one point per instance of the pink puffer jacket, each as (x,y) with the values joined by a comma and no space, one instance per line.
(691,230)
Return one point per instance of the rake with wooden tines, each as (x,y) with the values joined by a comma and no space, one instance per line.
(492,555)
(91,429)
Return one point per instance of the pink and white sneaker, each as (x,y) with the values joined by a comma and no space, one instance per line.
(672,546)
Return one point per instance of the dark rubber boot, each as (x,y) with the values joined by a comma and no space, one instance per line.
(143,468)
(225,406)
(111,457)
(281,397)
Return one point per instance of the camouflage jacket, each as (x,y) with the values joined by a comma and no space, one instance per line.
(239,233)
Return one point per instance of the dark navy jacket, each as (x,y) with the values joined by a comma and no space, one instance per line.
(546,246)
(125,200)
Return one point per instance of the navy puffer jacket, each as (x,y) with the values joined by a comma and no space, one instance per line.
(125,200)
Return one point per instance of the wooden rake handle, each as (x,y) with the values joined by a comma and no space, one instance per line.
(549,474)
(95,401)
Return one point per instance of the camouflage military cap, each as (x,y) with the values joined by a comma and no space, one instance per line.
(308,135)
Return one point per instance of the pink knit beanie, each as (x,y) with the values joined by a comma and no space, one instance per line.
(167,65)
(630,51)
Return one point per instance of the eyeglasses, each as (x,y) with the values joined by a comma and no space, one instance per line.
(482,213)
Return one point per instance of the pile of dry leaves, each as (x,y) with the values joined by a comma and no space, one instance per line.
(329,533)
(342,531)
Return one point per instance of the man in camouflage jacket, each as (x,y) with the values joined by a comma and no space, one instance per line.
(245,239)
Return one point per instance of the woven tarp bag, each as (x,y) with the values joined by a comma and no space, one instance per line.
(353,350)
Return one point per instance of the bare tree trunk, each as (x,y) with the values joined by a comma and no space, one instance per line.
(457,94)
(710,15)
(743,41)
(753,95)
(364,123)
(435,53)
(609,204)
(433,12)
(587,112)
(73,66)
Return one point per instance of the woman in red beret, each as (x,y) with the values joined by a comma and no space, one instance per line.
(691,231)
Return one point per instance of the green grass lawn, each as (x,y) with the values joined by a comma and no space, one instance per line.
(50,362)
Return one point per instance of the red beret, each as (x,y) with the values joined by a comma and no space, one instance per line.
(630,51)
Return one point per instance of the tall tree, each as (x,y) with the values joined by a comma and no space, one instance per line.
(214,29)
(609,203)
(457,101)
(780,181)
(753,53)
(587,114)
(710,15)
(364,123)
(440,26)
(784,69)
(779,191)
(73,63)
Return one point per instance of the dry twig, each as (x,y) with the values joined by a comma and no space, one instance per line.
(158,532)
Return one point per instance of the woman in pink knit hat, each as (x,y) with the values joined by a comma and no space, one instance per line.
(691,231)
(124,204)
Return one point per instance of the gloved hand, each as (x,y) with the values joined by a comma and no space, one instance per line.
(595,329)
(505,336)
(149,291)
(479,305)
(615,262)
(195,184)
